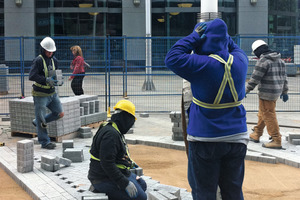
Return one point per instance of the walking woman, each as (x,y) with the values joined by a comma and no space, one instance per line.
(78,74)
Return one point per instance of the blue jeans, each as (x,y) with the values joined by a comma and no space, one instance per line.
(114,193)
(216,163)
(40,104)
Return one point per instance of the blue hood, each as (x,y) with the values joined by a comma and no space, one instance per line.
(216,39)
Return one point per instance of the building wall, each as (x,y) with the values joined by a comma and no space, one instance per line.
(252,19)
(19,21)
(134,25)
(133,19)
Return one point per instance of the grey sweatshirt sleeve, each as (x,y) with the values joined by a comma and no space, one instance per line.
(257,75)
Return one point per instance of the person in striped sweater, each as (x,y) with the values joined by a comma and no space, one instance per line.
(270,76)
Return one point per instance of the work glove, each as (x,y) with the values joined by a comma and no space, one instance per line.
(51,81)
(131,190)
(200,28)
(284,97)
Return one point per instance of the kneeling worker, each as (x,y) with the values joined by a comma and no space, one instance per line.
(110,159)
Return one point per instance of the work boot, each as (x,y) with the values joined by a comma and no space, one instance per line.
(43,125)
(275,143)
(50,145)
(254,137)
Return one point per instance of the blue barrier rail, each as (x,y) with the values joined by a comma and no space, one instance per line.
(118,70)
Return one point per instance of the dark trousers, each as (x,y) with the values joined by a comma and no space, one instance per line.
(216,163)
(76,84)
(114,193)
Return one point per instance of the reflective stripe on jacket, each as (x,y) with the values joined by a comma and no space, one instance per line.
(124,142)
(47,86)
(227,78)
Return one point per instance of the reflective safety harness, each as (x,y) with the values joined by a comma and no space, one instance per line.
(120,166)
(47,86)
(226,78)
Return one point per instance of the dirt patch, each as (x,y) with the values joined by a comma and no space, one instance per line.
(262,181)
(10,190)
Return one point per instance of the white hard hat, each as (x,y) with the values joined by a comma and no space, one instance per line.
(257,44)
(48,44)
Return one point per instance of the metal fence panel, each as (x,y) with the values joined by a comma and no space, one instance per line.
(129,67)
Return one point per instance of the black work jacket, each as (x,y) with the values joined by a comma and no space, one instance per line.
(109,146)
(37,73)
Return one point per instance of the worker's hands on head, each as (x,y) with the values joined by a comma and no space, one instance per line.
(51,81)
(131,190)
(284,97)
(200,28)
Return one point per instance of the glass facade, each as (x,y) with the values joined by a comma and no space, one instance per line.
(73,22)
(169,17)
(283,17)
(182,21)
(2,18)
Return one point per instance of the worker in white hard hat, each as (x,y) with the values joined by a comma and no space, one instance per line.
(42,72)
(270,76)
(110,163)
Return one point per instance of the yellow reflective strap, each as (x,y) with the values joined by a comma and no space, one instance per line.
(230,80)
(47,86)
(45,66)
(120,166)
(221,89)
(226,78)
(216,106)
(93,157)
(123,139)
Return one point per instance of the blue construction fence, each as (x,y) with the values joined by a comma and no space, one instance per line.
(129,67)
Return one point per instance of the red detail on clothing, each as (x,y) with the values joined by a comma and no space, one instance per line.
(78,65)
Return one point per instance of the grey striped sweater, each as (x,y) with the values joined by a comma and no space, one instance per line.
(270,76)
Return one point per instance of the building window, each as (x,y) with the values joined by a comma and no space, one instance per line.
(75,23)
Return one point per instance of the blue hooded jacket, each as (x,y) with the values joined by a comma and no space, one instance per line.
(206,74)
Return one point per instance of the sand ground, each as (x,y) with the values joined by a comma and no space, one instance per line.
(262,181)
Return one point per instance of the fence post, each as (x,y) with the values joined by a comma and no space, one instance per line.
(22,71)
(107,73)
(124,66)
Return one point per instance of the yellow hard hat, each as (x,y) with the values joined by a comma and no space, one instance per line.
(125,105)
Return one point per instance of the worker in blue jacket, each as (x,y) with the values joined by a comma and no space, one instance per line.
(217,130)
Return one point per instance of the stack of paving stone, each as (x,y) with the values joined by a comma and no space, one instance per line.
(85,132)
(22,114)
(69,152)
(25,156)
(157,191)
(294,138)
(3,79)
(177,126)
(90,109)
(52,164)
